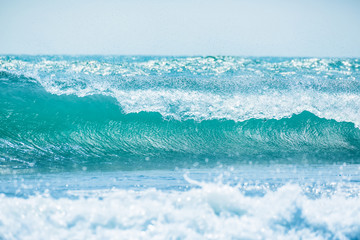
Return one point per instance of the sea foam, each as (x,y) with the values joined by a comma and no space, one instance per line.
(212,211)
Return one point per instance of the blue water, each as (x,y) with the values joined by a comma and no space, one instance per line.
(179,147)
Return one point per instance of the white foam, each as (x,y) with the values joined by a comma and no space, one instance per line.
(191,104)
(213,211)
(240,107)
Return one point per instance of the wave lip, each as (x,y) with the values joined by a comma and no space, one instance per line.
(203,88)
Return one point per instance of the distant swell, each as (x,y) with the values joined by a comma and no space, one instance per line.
(40,130)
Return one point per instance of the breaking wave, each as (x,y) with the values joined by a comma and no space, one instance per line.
(165,128)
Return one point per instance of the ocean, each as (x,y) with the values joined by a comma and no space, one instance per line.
(152,147)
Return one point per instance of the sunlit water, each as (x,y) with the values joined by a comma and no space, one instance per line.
(179,148)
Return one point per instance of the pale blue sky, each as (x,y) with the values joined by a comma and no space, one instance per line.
(186,27)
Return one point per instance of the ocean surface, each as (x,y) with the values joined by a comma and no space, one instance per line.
(145,147)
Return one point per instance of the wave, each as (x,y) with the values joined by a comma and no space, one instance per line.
(41,130)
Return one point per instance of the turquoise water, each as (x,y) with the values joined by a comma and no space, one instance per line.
(179,147)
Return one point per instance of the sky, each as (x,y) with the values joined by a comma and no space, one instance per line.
(321,28)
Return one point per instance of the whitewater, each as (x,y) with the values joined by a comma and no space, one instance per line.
(216,147)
